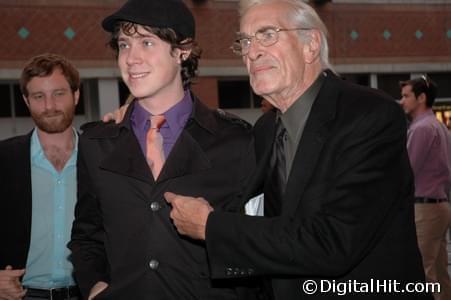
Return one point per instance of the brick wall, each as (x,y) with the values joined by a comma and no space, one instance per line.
(72,27)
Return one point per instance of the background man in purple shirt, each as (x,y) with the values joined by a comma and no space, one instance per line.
(124,244)
(429,148)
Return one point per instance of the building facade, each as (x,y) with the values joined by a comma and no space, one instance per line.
(374,42)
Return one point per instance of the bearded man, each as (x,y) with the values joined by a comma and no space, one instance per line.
(38,186)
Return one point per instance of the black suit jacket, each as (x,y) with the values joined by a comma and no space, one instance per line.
(347,213)
(15,203)
(122,233)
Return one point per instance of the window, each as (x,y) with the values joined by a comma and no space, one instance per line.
(5,102)
(360,79)
(21,109)
(389,83)
(443,81)
(124,93)
(13,105)
(236,93)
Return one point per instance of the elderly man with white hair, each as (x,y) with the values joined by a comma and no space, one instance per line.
(333,168)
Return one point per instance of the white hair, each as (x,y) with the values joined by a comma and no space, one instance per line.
(302,16)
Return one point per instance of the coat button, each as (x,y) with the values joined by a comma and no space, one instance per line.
(155,206)
(153,264)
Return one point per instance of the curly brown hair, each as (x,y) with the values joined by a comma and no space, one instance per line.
(189,65)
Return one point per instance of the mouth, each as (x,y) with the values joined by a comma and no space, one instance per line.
(52,115)
(259,69)
(138,75)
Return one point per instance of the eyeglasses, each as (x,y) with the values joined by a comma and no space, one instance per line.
(266,37)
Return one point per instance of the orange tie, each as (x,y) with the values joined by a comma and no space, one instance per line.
(155,154)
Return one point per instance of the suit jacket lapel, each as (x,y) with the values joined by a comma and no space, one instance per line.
(311,144)
(264,134)
(24,168)
(23,192)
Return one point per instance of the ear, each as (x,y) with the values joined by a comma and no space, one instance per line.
(183,55)
(27,103)
(312,46)
(422,98)
(77,96)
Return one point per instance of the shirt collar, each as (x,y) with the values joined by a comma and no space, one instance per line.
(37,152)
(176,116)
(301,108)
(423,116)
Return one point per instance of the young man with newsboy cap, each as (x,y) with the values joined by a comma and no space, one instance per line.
(124,244)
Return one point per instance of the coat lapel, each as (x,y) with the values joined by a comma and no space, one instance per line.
(24,168)
(264,133)
(186,157)
(127,158)
(311,144)
(22,190)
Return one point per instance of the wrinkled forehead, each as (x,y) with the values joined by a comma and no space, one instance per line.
(271,14)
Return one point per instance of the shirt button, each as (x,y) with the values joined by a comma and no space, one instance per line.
(155,206)
(153,264)
(58,181)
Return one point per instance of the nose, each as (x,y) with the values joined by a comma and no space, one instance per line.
(133,55)
(49,102)
(255,50)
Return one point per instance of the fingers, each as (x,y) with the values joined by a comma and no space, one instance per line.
(10,286)
(120,113)
(97,289)
(108,117)
(9,273)
(170,197)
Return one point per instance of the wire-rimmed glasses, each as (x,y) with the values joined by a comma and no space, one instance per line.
(266,36)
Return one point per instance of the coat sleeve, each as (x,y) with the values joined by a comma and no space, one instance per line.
(87,242)
(357,199)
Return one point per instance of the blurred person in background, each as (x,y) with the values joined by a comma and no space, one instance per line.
(429,148)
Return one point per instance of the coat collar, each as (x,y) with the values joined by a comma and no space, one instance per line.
(186,157)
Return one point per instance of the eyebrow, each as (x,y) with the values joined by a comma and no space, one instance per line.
(136,35)
(63,89)
(240,34)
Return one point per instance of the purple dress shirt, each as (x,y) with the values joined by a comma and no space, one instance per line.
(176,118)
(429,146)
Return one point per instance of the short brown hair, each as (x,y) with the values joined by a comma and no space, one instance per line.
(421,85)
(44,65)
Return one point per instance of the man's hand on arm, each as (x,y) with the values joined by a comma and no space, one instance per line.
(97,289)
(117,116)
(10,286)
(189,214)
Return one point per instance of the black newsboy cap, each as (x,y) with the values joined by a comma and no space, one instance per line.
(172,14)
